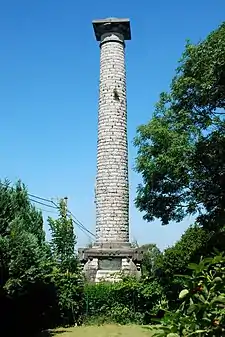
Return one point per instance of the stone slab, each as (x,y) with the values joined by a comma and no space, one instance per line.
(85,254)
(117,25)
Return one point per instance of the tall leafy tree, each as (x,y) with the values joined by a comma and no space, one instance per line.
(63,239)
(181,150)
(25,261)
(40,283)
(22,238)
(66,274)
(150,255)
(14,202)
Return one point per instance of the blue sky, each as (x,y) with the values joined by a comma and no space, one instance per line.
(49,72)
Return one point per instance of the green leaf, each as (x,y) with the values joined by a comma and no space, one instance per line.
(193,266)
(191,309)
(220,299)
(183,293)
(197,332)
(218,279)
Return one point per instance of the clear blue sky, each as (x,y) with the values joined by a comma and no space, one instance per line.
(49,71)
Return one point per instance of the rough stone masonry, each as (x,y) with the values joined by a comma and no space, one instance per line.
(112,190)
(111,251)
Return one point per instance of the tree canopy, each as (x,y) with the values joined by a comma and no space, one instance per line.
(40,282)
(181,150)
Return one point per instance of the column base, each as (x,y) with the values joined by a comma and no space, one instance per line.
(110,262)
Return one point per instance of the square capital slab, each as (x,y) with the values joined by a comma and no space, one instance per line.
(121,26)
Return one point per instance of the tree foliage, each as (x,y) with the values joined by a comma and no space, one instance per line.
(40,283)
(194,244)
(66,274)
(181,150)
(22,241)
(150,255)
(24,259)
(202,303)
(63,239)
(128,301)
(191,246)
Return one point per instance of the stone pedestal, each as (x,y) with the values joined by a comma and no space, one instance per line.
(110,263)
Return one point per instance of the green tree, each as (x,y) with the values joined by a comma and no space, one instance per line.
(22,238)
(25,261)
(194,244)
(14,202)
(40,283)
(150,255)
(201,309)
(63,239)
(66,275)
(174,260)
(181,150)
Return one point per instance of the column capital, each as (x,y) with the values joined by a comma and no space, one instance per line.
(112,25)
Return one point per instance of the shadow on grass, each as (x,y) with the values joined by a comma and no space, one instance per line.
(51,333)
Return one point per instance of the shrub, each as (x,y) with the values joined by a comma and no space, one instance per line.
(193,244)
(128,301)
(202,303)
(70,300)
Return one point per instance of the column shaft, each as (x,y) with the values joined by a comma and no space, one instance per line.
(112,187)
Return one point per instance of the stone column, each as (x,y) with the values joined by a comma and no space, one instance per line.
(112,187)
(111,253)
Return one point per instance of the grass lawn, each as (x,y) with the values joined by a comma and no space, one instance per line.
(100,331)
